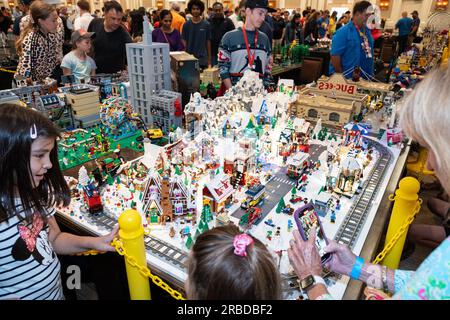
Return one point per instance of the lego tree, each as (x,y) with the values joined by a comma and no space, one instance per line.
(189,242)
(83,177)
(280,206)
(177,171)
(109,180)
(206,214)
(259,130)
(244,219)
(294,191)
(197,233)
(290,125)
(250,124)
(274,122)
(203,226)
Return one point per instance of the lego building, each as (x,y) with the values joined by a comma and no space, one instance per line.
(359,98)
(329,110)
(149,72)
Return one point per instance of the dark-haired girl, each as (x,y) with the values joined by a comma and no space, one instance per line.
(31,186)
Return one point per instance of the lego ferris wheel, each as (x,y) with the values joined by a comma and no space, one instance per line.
(114,112)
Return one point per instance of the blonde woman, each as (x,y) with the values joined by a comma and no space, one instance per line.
(39,47)
(425,118)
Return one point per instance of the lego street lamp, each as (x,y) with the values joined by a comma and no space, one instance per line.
(384,4)
(441,5)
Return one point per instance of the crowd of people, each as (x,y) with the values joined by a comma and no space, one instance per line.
(197,30)
(224,262)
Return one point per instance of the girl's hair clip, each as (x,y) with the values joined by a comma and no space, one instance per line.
(240,243)
(33,132)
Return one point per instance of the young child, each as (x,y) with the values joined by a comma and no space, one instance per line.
(227,264)
(77,62)
(31,186)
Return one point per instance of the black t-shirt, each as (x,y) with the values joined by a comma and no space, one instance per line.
(218,28)
(5,24)
(278,26)
(267,30)
(109,47)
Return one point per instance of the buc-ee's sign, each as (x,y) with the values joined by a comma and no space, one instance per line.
(336,83)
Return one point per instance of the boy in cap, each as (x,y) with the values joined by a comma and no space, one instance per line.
(77,62)
(246,47)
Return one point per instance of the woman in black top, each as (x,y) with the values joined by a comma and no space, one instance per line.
(294,30)
(312,29)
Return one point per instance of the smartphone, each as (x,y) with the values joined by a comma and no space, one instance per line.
(306,218)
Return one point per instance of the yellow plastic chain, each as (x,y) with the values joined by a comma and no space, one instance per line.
(6,70)
(145,271)
(90,253)
(399,233)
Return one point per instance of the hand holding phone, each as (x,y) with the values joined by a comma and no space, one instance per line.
(307,218)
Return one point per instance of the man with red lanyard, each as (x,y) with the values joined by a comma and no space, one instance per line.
(352,44)
(246,48)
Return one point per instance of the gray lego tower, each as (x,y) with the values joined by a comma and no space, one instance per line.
(149,72)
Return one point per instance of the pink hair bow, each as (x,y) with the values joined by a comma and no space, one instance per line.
(240,243)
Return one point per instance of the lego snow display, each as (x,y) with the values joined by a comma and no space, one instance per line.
(244,159)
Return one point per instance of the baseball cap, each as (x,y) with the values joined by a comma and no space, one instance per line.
(415,12)
(263,4)
(79,34)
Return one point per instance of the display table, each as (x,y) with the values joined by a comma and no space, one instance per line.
(175,275)
(325,55)
(379,226)
(287,72)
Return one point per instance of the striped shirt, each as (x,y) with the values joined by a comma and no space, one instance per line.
(29,268)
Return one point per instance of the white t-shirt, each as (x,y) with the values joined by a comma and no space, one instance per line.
(81,69)
(83,21)
(29,268)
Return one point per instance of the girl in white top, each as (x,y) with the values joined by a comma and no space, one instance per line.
(31,186)
(77,62)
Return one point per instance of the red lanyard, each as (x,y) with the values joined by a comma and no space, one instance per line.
(251,58)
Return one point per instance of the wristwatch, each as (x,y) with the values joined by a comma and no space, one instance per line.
(309,281)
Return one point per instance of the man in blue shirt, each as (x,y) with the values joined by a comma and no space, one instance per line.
(352,44)
(404,26)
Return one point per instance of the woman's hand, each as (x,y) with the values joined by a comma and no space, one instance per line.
(104,243)
(342,259)
(304,256)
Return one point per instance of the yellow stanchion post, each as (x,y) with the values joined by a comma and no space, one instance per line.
(445,56)
(406,199)
(131,233)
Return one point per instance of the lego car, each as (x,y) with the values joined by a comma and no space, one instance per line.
(154,133)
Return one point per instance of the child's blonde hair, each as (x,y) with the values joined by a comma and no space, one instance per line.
(425,117)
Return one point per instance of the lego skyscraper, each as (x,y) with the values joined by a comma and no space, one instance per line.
(149,73)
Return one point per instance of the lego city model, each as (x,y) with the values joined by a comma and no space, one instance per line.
(231,165)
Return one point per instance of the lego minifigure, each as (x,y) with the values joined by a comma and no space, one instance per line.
(278,232)
(289,225)
(333,216)
(338,205)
